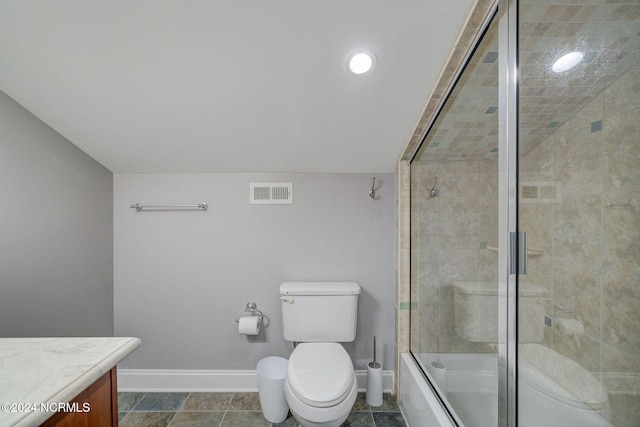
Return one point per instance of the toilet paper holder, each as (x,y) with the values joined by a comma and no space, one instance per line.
(252,307)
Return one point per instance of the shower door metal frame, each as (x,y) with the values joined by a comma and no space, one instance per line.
(508,215)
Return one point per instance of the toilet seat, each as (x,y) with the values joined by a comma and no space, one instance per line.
(320,374)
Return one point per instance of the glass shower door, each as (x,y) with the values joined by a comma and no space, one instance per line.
(579,204)
(454,244)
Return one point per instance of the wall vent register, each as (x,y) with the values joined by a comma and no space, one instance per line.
(271,193)
(539,192)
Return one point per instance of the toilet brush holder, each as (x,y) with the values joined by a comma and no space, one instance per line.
(374,384)
(374,380)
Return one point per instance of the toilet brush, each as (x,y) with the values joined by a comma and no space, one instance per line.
(374,380)
(374,351)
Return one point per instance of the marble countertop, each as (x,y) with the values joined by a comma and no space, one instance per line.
(52,370)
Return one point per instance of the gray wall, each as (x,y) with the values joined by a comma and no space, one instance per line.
(181,278)
(56,232)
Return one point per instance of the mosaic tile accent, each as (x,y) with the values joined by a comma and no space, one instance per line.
(406,305)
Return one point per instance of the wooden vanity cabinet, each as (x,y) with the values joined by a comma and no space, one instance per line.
(102,396)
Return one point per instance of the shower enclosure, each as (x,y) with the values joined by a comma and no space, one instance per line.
(525,222)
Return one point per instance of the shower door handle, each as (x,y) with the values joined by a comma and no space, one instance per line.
(518,251)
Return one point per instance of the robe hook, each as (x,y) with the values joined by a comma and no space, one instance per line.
(372,193)
(434,191)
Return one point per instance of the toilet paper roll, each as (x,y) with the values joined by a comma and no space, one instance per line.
(569,326)
(249,325)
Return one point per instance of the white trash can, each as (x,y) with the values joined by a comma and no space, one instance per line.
(271,373)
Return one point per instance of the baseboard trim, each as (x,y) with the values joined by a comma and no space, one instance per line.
(178,380)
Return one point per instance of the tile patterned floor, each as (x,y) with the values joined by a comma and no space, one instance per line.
(233,410)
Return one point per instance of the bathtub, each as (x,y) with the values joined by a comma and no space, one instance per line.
(417,402)
(472,391)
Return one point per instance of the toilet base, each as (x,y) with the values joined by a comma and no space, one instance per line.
(306,423)
(333,416)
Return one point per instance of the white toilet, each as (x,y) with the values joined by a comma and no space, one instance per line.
(320,385)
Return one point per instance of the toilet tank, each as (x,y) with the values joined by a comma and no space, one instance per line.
(319,311)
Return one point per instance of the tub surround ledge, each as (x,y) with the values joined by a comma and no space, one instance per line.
(38,371)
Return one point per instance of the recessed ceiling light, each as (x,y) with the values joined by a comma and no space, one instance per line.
(361,62)
(567,62)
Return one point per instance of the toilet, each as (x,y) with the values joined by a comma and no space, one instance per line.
(320,385)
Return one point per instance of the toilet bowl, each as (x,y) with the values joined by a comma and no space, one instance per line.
(320,385)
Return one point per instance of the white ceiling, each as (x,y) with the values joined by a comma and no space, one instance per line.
(228,86)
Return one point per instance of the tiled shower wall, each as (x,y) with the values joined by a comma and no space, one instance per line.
(462,48)
(452,239)
(589,233)
(587,229)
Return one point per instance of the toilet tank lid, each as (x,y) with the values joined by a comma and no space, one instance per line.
(319,288)
(491,288)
